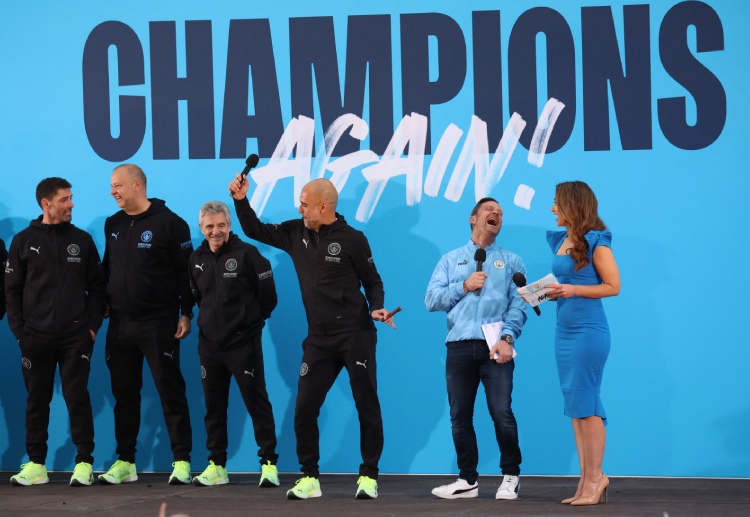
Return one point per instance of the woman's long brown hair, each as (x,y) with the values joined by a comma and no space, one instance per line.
(577,205)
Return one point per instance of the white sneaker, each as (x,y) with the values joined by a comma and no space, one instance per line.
(459,489)
(508,488)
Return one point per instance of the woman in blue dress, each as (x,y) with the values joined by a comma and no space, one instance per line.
(587,272)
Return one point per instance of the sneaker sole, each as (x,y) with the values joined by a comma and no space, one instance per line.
(364,495)
(267,483)
(463,495)
(198,482)
(292,495)
(38,481)
(76,482)
(105,481)
(175,481)
(506,497)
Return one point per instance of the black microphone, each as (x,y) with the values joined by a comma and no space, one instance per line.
(520,281)
(480,256)
(251,162)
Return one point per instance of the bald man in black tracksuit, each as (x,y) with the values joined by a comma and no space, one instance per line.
(333,263)
(150,305)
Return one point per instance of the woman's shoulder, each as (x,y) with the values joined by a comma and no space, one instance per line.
(555,238)
(596,238)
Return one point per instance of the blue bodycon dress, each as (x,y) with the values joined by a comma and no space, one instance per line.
(582,337)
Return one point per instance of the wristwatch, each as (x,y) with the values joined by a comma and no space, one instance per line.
(508,339)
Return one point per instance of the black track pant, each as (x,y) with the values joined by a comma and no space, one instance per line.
(322,360)
(128,342)
(245,364)
(41,356)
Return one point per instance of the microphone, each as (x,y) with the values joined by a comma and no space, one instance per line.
(480,256)
(251,162)
(520,281)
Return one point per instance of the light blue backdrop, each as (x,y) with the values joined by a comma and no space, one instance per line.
(676,387)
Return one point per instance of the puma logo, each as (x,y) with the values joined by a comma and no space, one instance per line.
(84,356)
(115,235)
(199,267)
(252,374)
(35,249)
(364,365)
(170,354)
(305,241)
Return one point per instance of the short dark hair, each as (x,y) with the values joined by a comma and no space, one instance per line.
(48,187)
(478,206)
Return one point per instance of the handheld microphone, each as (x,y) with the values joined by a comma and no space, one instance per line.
(251,162)
(480,256)
(520,281)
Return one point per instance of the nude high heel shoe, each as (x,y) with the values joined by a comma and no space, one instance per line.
(603,486)
(568,500)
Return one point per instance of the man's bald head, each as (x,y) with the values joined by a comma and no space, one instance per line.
(323,191)
(133,172)
(318,202)
(128,187)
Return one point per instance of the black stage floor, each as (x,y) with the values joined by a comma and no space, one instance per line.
(399,496)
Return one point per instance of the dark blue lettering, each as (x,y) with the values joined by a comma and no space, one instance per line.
(312,49)
(488,74)
(679,62)
(418,93)
(250,49)
(96,91)
(603,70)
(197,88)
(561,78)
(368,44)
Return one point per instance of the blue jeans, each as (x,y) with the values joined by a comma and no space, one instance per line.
(468,363)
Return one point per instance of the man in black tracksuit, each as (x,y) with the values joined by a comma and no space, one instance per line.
(55,299)
(145,261)
(333,262)
(234,288)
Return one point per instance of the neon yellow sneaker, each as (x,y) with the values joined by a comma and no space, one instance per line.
(305,488)
(213,475)
(31,474)
(180,474)
(367,488)
(83,475)
(119,472)
(269,475)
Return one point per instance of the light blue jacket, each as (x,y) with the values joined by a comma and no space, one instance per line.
(498,300)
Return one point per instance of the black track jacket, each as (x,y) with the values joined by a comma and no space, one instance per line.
(235,291)
(332,266)
(54,281)
(146,264)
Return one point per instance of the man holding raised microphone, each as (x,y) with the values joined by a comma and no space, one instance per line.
(333,262)
(474,286)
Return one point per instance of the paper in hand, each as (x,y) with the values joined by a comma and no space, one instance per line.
(536,292)
(492,333)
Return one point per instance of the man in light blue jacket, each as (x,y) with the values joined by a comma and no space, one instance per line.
(473,296)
